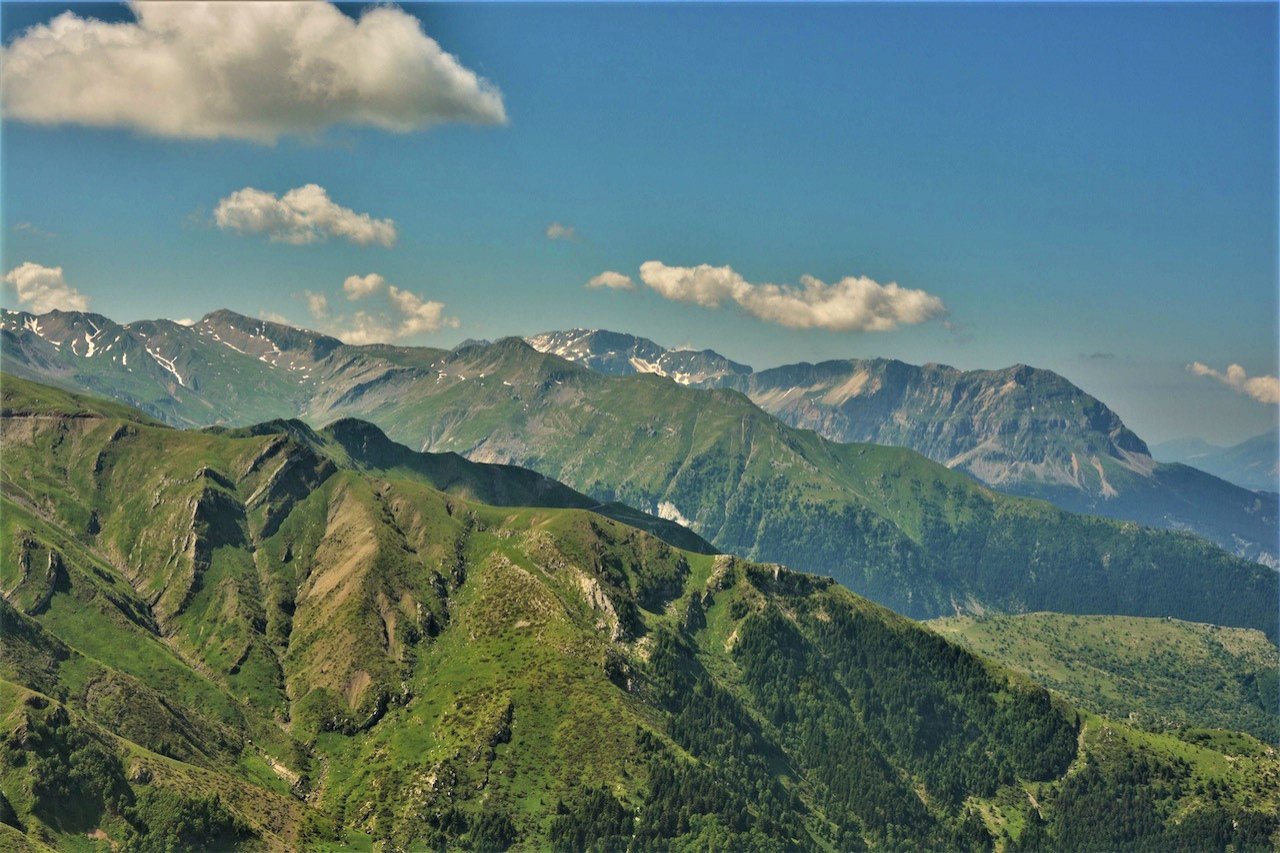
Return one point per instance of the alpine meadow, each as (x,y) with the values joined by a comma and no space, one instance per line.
(639,427)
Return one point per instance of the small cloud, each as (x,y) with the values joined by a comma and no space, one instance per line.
(41,289)
(185,321)
(360,286)
(1264,389)
(317,305)
(301,216)
(556,231)
(28,228)
(1098,356)
(273,317)
(250,71)
(853,304)
(408,313)
(418,315)
(612,280)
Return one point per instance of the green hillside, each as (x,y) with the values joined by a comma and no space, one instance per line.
(886,522)
(1160,673)
(245,638)
(890,524)
(1022,430)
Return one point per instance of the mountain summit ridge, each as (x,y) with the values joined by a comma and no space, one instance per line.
(1025,431)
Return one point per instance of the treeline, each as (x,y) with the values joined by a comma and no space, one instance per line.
(1125,808)
(863,697)
(732,794)
(845,727)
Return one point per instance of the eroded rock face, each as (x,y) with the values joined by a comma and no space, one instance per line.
(287,472)
(41,573)
(1016,423)
(598,600)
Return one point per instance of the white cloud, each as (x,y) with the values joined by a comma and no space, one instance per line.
(556,231)
(853,304)
(365,328)
(703,285)
(274,317)
(418,315)
(317,305)
(42,289)
(359,286)
(240,70)
(185,321)
(408,313)
(303,215)
(613,281)
(1264,389)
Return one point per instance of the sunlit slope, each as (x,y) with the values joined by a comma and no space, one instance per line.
(1162,673)
(890,524)
(347,655)
(1020,429)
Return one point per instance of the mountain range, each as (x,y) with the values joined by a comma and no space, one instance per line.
(1022,430)
(1253,463)
(276,636)
(887,522)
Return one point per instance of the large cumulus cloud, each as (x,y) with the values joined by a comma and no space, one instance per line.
(40,289)
(241,70)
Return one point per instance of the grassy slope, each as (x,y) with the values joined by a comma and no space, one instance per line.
(887,522)
(1157,672)
(891,525)
(420,660)
(358,444)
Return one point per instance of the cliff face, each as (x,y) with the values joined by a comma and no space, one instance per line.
(1003,426)
(1021,430)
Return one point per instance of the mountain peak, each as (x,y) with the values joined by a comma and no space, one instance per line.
(621,354)
(1004,426)
(265,338)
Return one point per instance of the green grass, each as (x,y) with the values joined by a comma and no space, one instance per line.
(427,662)
(1157,673)
(888,523)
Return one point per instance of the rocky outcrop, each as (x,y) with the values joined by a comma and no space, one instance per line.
(295,471)
(619,354)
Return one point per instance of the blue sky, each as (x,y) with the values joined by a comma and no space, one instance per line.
(1087,188)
